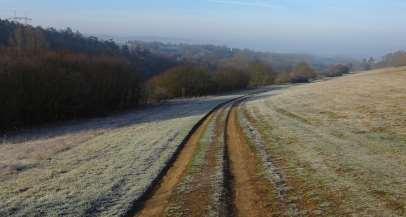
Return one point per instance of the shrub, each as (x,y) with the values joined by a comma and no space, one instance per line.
(282,78)
(181,81)
(338,70)
(227,79)
(302,73)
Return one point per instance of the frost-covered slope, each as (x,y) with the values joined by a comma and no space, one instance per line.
(96,167)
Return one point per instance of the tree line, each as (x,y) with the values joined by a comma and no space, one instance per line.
(42,86)
(194,80)
(49,75)
(26,37)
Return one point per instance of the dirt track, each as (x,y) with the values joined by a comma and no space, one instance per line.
(218,173)
(252,195)
(156,205)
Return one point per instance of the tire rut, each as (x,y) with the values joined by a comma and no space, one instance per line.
(233,177)
(160,199)
(252,193)
(165,193)
(271,170)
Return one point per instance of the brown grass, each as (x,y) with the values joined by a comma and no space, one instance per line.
(342,142)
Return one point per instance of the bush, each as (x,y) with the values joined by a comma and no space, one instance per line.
(395,59)
(227,79)
(180,81)
(260,74)
(338,70)
(282,78)
(302,73)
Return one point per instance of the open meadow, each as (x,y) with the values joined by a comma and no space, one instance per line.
(337,147)
(209,108)
(330,148)
(97,167)
(334,147)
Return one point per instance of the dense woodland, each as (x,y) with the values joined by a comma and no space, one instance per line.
(49,75)
(42,85)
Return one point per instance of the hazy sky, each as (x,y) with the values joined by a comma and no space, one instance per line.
(344,27)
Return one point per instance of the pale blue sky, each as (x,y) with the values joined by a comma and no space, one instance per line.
(343,27)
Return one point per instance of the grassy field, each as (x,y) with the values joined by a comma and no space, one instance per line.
(338,146)
(330,148)
(96,167)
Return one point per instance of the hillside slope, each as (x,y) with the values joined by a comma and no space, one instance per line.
(96,167)
(339,144)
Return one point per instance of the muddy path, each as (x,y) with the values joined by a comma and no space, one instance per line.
(217,173)
(157,204)
(252,194)
(194,184)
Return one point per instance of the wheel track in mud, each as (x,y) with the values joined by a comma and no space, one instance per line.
(139,203)
(244,192)
(258,186)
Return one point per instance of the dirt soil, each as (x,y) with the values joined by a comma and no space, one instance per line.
(185,193)
(157,204)
(253,194)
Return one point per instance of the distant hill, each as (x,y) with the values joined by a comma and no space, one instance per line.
(26,36)
(212,54)
(146,53)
